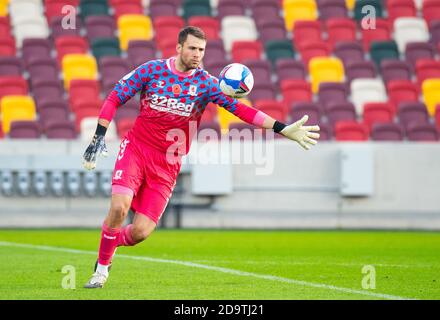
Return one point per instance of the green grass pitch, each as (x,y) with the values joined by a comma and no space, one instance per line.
(208,264)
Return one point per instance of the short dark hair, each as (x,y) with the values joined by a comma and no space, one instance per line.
(194,31)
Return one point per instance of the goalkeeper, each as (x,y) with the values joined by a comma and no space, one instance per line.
(174,92)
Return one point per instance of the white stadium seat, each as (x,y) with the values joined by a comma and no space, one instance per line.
(365,90)
(88,127)
(30,27)
(409,29)
(25,8)
(236,28)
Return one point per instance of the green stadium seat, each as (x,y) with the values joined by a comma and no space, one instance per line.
(93,8)
(277,49)
(196,8)
(377,4)
(380,50)
(102,47)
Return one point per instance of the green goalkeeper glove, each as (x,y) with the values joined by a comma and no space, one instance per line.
(304,135)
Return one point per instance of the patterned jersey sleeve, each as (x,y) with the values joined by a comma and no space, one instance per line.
(133,82)
(232,105)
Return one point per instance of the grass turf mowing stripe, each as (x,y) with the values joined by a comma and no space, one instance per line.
(214,268)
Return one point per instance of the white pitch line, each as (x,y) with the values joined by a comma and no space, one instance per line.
(213,268)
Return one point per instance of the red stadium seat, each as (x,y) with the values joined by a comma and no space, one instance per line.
(7,47)
(431,10)
(122,7)
(382,32)
(54,8)
(377,112)
(351,131)
(243,50)
(401,8)
(70,44)
(312,49)
(83,90)
(305,31)
(5,27)
(401,91)
(296,91)
(340,29)
(166,29)
(210,25)
(85,111)
(427,68)
(437,116)
(13,85)
(123,126)
(273,108)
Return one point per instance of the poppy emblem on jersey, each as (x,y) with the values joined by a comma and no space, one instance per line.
(176,89)
(193,90)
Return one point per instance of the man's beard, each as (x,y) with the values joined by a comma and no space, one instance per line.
(188,66)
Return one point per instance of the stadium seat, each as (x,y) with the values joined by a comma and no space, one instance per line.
(387,132)
(166,28)
(23,9)
(262,91)
(350,131)
(52,111)
(210,25)
(434,29)
(419,50)
(236,28)
(340,111)
(242,50)
(427,68)
(270,30)
(362,69)
(409,112)
(265,10)
(11,66)
(123,126)
(437,116)
(349,51)
(312,49)
(44,89)
(43,68)
(383,50)
(377,112)
(296,91)
(93,8)
(330,9)
(367,90)
(134,27)
(166,8)
(88,127)
(196,8)
(122,7)
(325,132)
(332,92)
(422,132)
(300,109)
(325,70)
(400,8)
(58,29)
(25,130)
(359,13)
(214,51)
(112,69)
(431,94)
(36,48)
(381,32)
(130,110)
(100,27)
(402,91)
(230,8)
(168,48)
(395,70)
(12,85)
(305,31)
(289,68)
(215,67)
(141,51)
(273,108)
(5,26)
(4,8)
(70,45)
(261,69)
(85,110)
(54,8)
(225,118)
(340,29)
(83,90)
(16,108)
(408,30)
(60,130)
(279,49)
(431,10)
(104,47)
(78,66)
(7,47)
(298,10)
(30,27)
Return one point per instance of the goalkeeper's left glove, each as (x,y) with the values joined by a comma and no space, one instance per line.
(304,135)
(96,147)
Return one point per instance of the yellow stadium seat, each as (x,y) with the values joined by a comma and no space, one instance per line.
(431,94)
(324,69)
(134,27)
(16,108)
(299,10)
(4,8)
(78,66)
(350,4)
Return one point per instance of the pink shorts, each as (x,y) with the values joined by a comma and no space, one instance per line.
(149,174)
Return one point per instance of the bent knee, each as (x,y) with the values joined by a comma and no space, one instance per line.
(139,234)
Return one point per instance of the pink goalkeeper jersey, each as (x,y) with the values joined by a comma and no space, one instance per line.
(172,104)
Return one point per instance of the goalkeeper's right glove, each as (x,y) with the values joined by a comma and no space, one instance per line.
(96,148)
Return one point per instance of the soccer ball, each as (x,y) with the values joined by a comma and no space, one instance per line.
(236,80)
